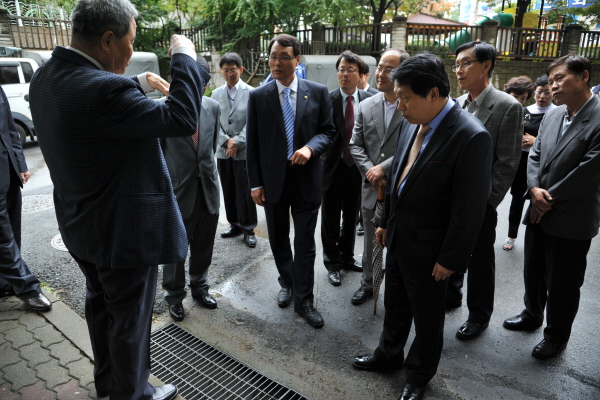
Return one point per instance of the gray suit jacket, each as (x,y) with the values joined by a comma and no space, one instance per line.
(371,144)
(568,167)
(233,119)
(502,116)
(187,163)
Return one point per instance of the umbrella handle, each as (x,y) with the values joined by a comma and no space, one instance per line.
(381,193)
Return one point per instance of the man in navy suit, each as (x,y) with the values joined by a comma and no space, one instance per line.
(434,205)
(289,126)
(114,200)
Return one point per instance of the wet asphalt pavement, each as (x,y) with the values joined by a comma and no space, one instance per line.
(316,363)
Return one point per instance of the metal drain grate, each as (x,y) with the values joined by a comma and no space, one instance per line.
(202,372)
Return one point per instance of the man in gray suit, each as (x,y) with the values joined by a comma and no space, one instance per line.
(502,116)
(191,164)
(231,151)
(372,145)
(563,180)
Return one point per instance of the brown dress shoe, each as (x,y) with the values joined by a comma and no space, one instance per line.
(38,303)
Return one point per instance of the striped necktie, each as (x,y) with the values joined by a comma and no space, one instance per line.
(288,121)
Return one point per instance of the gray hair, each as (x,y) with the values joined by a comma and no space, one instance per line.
(92,18)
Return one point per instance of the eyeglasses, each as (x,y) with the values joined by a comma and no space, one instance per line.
(346,71)
(384,70)
(275,58)
(230,71)
(463,65)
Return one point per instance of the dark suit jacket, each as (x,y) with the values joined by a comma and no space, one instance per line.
(569,169)
(266,142)
(187,163)
(372,90)
(440,210)
(12,160)
(99,134)
(332,156)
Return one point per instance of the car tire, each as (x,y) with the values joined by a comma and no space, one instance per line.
(22,134)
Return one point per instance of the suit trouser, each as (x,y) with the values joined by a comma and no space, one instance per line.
(240,209)
(298,270)
(517,190)
(554,273)
(14,271)
(411,293)
(367,256)
(341,198)
(481,276)
(200,227)
(118,310)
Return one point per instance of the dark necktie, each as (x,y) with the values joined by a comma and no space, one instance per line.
(349,127)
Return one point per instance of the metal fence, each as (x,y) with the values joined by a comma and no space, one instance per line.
(161,37)
(439,39)
(529,42)
(589,45)
(39,33)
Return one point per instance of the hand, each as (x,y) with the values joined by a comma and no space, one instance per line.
(258,195)
(376,176)
(24,176)
(230,153)
(231,144)
(180,40)
(380,236)
(528,141)
(158,83)
(541,202)
(302,156)
(440,273)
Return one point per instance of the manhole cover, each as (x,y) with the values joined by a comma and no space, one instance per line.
(37,202)
(58,243)
(202,372)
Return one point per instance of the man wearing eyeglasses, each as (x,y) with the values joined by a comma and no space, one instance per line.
(502,116)
(231,151)
(341,177)
(372,145)
(289,127)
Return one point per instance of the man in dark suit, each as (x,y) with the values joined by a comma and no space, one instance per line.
(363,84)
(114,200)
(193,171)
(285,171)
(434,205)
(563,177)
(15,275)
(341,178)
(502,116)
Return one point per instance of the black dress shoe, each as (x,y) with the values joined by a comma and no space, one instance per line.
(39,303)
(363,294)
(250,240)
(470,330)
(370,362)
(231,232)
(412,392)
(334,278)
(165,392)
(520,323)
(355,266)
(176,311)
(310,314)
(7,292)
(284,298)
(546,350)
(204,298)
(360,231)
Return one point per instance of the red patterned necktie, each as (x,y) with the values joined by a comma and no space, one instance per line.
(195,137)
(349,127)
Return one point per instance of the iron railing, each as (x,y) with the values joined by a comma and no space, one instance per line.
(39,33)
(589,45)
(439,39)
(529,42)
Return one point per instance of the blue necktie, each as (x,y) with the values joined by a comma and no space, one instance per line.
(288,121)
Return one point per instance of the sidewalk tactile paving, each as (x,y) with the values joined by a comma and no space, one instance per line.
(9,355)
(53,373)
(71,391)
(7,394)
(19,337)
(83,370)
(32,321)
(65,352)
(20,375)
(37,392)
(48,335)
(34,354)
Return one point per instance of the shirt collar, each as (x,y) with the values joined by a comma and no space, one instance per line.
(90,59)
(293,86)
(433,125)
(236,86)
(354,96)
(388,104)
(574,116)
(482,96)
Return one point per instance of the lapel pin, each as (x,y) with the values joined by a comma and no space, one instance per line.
(305,97)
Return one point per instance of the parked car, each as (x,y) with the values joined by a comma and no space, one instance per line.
(15,75)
